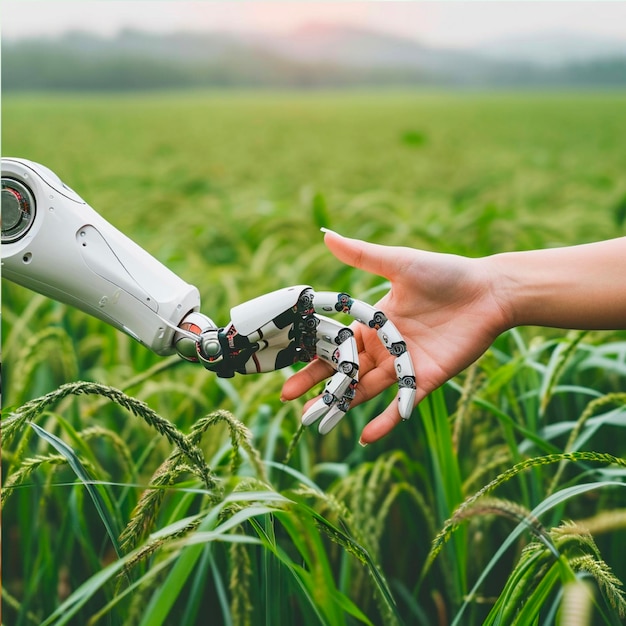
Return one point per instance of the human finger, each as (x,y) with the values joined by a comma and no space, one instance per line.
(370,257)
(305,379)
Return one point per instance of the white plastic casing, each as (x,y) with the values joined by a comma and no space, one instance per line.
(250,317)
(72,254)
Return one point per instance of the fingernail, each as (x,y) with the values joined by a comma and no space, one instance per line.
(283,399)
(328,230)
(362,443)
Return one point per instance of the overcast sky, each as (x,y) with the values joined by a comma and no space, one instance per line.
(438,22)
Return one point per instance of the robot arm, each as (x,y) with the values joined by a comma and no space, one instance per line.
(54,243)
(57,245)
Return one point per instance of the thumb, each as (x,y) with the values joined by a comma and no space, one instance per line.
(373,258)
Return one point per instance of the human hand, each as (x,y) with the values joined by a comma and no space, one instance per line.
(444,307)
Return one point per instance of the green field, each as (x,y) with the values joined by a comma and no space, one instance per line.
(229,190)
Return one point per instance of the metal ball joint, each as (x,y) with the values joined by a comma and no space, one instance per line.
(211,347)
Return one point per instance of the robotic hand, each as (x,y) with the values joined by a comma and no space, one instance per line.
(57,245)
(289,325)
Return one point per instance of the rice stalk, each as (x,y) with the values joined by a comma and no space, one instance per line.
(169,537)
(240,436)
(349,541)
(561,553)
(145,511)
(504,508)
(29,411)
(24,321)
(97,492)
(610,585)
(451,524)
(604,522)
(533,565)
(140,594)
(119,445)
(369,494)
(149,548)
(245,485)
(379,527)
(137,589)
(417,498)
(472,383)
(384,600)
(188,552)
(572,536)
(495,461)
(332,504)
(362,490)
(26,468)
(50,342)
(590,409)
(515,590)
(540,568)
(241,608)
(291,448)
(377,483)
(561,357)
(144,514)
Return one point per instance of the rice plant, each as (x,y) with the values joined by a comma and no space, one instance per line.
(143,491)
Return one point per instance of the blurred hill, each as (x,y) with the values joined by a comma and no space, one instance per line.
(554,48)
(315,56)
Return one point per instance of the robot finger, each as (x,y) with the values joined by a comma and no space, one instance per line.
(333,404)
(270,313)
(335,345)
(332,331)
(392,339)
(389,335)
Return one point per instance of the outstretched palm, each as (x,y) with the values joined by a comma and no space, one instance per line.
(442,306)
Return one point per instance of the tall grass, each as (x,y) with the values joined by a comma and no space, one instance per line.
(145,491)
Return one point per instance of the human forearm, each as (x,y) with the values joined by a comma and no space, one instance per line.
(582,287)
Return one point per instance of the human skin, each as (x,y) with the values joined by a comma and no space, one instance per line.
(451,308)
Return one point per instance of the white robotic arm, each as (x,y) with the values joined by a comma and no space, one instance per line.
(54,243)
(57,245)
